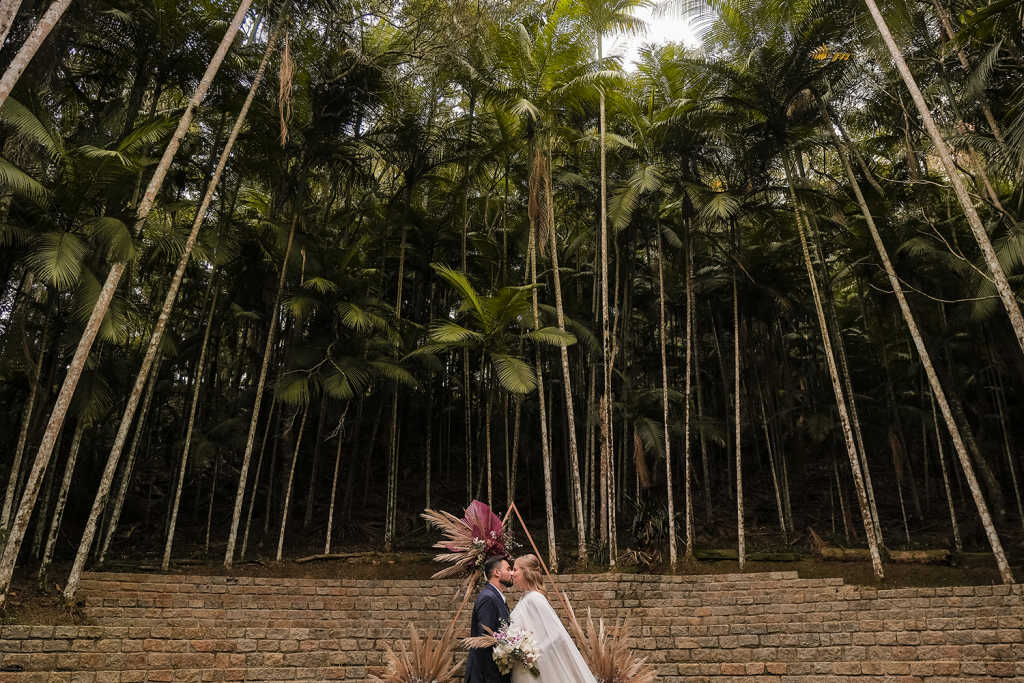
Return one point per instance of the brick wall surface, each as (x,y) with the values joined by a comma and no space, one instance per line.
(772,626)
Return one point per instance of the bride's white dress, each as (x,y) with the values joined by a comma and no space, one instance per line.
(560,661)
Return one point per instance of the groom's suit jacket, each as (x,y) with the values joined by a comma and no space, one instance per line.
(489,609)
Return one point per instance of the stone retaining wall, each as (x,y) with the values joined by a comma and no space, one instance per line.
(773,626)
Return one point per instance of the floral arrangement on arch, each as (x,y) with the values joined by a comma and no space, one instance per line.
(471,540)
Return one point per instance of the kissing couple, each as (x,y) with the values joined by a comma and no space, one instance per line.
(559,662)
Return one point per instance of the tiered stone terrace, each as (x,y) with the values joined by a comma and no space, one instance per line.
(772,626)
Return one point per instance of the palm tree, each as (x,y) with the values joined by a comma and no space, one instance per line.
(603,17)
(995,268)
(767,89)
(35,477)
(937,391)
(494,325)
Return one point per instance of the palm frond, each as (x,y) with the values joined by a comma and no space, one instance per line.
(17,182)
(28,125)
(114,236)
(57,258)
(514,374)
(552,336)
(449,333)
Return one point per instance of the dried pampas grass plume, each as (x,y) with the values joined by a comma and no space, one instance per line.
(424,660)
(607,652)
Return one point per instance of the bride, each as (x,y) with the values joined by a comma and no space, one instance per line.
(560,661)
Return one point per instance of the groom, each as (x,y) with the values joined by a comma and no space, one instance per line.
(489,609)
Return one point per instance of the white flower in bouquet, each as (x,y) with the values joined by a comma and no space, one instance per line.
(515,644)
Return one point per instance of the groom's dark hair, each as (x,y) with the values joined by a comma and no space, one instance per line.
(492,563)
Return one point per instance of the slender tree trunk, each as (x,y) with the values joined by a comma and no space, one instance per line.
(545,450)
(664,415)
(392,499)
(37,538)
(31,45)
(898,461)
(606,356)
(311,493)
(62,497)
(334,480)
(34,380)
(698,386)
(515,447)
(855,420)
(937,391)
(1007,445)
(129,466)
(945,480)
(229,556)
(291,480)
(973,219)
(592,445)
(92,328)
(741,537)
(198,383)
(952,398)
(574,462)
(209,509)
(771,462)
(256,478)
(8,10)
(844,417)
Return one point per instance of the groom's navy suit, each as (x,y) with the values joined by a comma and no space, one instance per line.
(489,609)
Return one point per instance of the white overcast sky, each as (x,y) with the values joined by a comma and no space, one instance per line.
(660,30)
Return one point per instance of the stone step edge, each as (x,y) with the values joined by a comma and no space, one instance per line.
(560,578)
(878,668)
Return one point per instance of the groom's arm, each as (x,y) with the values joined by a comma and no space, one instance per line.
(490,613)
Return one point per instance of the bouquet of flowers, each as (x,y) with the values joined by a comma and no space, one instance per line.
(511,644)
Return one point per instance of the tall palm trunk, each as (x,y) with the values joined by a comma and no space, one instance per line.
(953,173)
(699,389)
(31,45)
(291,481)
(256,479)
(313,479)
(129,465)
(197,385)
(837,388)
(937,391)
(334,479)
(17,532)
(392,498)
(229,555)
(958,543)
(688,459)
(545,450)
(34,380)
(570,415)
(740,535)
(771,462)
(8,10)
(664,416)
(606,359)
(62,498)
(153,348)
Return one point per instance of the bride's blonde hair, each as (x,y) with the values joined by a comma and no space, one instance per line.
(530,567)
